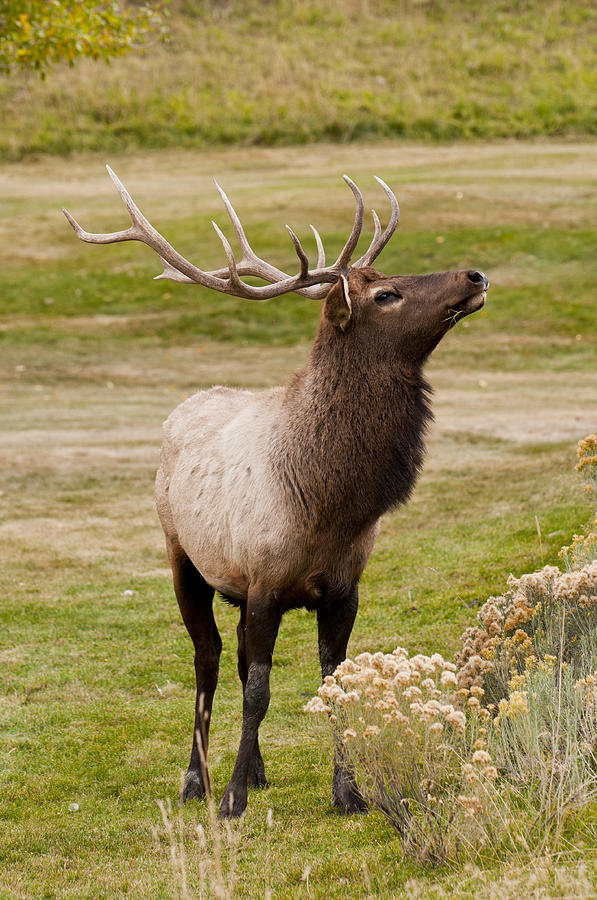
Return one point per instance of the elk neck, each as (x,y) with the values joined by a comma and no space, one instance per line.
(351,443)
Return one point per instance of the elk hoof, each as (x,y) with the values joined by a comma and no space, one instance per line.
(232,804)
(193,788)
(346,796)
(348,801)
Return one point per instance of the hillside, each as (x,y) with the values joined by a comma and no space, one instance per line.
(292,72)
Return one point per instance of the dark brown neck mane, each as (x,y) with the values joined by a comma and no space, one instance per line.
(352,443)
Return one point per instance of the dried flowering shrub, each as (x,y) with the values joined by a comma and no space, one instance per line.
(416,746)
(543,614)
(583,548)
(586,452)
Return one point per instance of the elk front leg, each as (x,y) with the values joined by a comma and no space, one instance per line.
(335,620)
(195,599)
(256,767)
(262,623)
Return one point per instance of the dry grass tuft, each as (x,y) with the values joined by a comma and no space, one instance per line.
(542,879)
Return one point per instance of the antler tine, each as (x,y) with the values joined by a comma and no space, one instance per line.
(172,274)
(135,213)
(303,258)
(364,259)
(248,253)
(320,250)
(380,241)
(128,235)
(232,270)
(344,259)
(131,233)
(376,226)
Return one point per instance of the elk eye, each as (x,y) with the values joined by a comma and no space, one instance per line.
(387,297)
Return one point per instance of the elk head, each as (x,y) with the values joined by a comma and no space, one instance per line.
(404,314)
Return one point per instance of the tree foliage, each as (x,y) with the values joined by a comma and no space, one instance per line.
(35,34)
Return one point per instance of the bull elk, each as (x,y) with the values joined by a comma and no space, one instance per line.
(273,498)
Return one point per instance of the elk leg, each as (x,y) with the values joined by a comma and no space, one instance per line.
(334,622)
(262,623)
(256,777)
(195,599)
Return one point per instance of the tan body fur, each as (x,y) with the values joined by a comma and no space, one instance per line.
(219,500)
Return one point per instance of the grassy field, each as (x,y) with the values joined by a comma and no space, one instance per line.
(97,677)
(265,73)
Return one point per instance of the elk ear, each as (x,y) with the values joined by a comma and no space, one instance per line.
(337,307)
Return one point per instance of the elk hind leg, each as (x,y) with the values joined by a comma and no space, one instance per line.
(195,599)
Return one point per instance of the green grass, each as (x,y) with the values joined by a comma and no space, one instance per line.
(268,73)
(97,682)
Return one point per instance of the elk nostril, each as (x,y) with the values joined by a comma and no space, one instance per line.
(477,277)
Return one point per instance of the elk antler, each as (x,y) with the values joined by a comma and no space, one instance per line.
(308,282)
